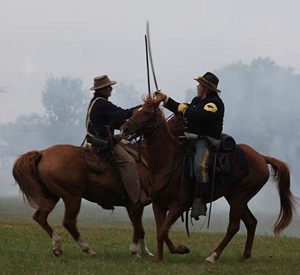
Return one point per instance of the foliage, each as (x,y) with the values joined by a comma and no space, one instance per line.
(65,101)
(260,102)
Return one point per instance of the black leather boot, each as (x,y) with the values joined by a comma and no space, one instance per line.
(199,205)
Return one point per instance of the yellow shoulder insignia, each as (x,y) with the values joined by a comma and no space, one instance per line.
(211,107)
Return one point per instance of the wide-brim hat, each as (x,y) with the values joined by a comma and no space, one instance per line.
(210,81)
(101,82)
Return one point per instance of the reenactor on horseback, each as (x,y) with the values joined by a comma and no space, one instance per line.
(103,113)
(204,116)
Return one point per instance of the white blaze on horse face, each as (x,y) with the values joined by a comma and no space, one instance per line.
(140,109)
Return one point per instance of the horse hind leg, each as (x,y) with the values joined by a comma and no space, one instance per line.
(41,215)
(250,222)
(237,208)
(72,207)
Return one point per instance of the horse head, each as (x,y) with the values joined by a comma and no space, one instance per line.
(144,120)
(177,125)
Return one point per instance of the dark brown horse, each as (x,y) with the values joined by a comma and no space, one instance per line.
(61,171)
(169,201)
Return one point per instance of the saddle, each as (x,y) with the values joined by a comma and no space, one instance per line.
(98,160)
(231,162)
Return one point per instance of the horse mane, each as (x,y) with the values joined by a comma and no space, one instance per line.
(150,101)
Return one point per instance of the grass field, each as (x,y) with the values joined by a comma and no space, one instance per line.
(26,249)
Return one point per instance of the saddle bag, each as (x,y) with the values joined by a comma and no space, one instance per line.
(223,164)
(222,148)
(227,143)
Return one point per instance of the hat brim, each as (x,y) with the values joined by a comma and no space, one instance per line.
(103,85)
(205,84)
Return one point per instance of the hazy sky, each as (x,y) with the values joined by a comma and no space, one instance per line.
(84,39)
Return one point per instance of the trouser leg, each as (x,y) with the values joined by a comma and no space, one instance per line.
(201,166)
(129,174)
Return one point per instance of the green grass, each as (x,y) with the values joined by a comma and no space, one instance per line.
(26,248)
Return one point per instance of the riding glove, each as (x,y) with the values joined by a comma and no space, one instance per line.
(181,108)
(160,96)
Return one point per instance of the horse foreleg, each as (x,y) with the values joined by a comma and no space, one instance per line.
(41,215)
(250,223)
(164,223)
(135,216)
(171,218)
(72,207)
(160,215)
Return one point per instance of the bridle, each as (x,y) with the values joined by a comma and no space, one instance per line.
(141,127)
(153,128)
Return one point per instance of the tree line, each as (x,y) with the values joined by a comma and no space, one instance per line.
(261,109)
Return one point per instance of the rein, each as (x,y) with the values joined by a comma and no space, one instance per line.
(155,127)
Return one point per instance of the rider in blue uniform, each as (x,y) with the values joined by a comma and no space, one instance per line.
(102,113)
(204,116)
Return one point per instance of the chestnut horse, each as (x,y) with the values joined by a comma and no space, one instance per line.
(170,199)
(61,171)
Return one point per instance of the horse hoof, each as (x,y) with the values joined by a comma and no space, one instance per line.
(183,249)
(91,253)
(147,254)
(57,252)
(156,259)
(211,259)
(135,255)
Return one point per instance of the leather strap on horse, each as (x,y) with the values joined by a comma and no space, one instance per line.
(215,154)
(182,184)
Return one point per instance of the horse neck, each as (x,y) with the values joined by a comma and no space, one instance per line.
(161,149)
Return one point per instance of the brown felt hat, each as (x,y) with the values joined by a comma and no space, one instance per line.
(101,82)
(210,81)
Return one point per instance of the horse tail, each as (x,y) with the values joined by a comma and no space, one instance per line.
(27,177)
(281,174)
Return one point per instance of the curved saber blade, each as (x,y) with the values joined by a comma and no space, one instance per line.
(150,56)
(147,64)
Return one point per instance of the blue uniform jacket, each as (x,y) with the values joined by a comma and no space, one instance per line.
(105,113)
(204,116)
